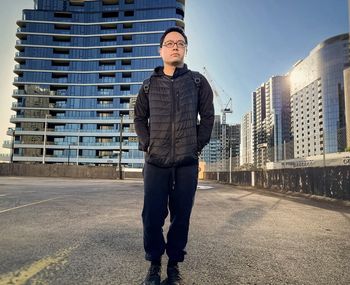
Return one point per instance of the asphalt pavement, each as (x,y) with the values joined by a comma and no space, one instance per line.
(69,231)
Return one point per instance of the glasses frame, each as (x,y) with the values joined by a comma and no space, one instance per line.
(171,44)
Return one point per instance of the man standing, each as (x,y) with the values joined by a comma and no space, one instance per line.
(166,122)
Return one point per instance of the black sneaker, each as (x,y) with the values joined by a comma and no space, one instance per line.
(174,276)
(153,275)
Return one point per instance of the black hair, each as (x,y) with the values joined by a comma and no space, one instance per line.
(173,29)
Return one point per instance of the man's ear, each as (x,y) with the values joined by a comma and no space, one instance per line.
(159,50)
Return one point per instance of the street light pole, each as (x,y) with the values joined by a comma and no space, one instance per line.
(12,144)
(230,169)
(68,152)
(120,147)
(45,137)
(78,145)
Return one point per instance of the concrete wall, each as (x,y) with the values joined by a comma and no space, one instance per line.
(333,181)
(60,170)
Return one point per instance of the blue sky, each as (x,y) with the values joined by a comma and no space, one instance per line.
(241,42)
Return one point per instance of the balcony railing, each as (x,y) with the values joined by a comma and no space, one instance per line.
(107,80)
(125,117)
(18,92)
(106,92)
(105,106)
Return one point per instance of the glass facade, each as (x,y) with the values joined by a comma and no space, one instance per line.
(277,117)
(317,98)
(79,67)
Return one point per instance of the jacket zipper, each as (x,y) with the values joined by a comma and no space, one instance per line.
(177,102)
(172,122)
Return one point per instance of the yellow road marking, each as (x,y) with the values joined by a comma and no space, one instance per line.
(22,275)
(26,205)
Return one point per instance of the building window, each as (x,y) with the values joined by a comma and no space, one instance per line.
(109,26)
(124,87)
(62,27)
(129,13)
(180,12)
(60,51)
(126,62)
(110,2)
(127,26)
(60,39)
(108,39)
(126,75)
(127,50)
(127,37)
(108,50)
(76,3)
(63,15)
(110,14)
(59,63)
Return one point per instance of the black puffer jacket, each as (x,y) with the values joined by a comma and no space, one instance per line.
(166,117)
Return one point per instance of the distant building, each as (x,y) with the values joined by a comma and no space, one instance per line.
(259,127)
(271,120)
(246,146)
(317,99)
(214,154)
(234,139)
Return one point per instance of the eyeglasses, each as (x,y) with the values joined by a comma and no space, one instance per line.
(171,44)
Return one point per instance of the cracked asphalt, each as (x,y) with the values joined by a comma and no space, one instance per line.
(69,231)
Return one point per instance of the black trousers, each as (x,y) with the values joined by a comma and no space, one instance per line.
(167,190)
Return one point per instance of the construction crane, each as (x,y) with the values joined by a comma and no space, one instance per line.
(225,109)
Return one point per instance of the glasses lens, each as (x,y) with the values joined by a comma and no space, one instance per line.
(169,44)
(180,44)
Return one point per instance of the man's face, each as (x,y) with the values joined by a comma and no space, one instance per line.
(173,55)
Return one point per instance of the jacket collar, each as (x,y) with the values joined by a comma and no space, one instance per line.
(158,71)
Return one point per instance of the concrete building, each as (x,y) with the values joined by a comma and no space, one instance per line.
(317,99)
(246,145)
(79,67)
(259,127)
(234,139)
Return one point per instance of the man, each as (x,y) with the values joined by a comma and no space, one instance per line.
(166,115)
